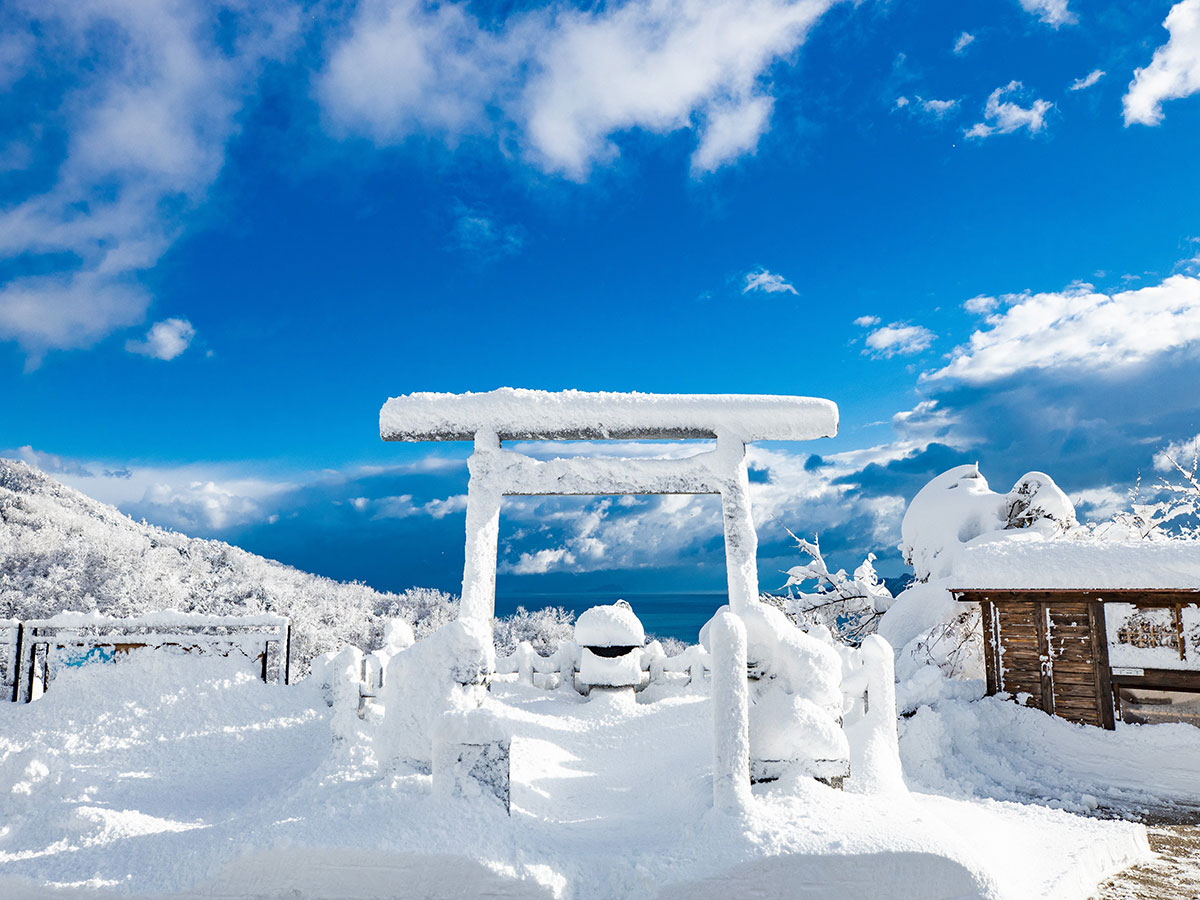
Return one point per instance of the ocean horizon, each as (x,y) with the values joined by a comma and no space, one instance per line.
(676,614)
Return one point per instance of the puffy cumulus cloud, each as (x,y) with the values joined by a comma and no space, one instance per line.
(766,282)
(980,305)
(963,41)
(1079,328)
(1178,453)
(1088,386)
(898,339)
(867,321)
(125,110)
(1082,84)
(1003,116)
(1174,70)
(565,82)
(165,340)
(1053,12)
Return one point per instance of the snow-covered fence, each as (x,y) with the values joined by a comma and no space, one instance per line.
(869,714)
(561,666)
(77,639)
(10,641)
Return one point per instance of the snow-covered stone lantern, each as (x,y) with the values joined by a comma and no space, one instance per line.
(611,639)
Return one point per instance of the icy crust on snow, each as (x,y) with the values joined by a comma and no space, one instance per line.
(522,414)
(216,785)
(1030,561)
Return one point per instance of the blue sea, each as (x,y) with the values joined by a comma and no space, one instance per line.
(663,614)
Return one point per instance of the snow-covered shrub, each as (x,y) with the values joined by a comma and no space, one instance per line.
(544,628)
(849,606)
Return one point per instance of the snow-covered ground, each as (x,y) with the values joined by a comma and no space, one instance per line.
(178,777)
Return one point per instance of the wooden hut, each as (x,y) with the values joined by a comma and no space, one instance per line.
(1094,633)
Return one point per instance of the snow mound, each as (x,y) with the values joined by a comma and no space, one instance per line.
(614,625)
(958,508)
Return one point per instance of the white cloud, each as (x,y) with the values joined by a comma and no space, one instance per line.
(199,505)
(1182,452)
(1082,84)
(566,81)
(144,97)
(730,131)
(1174,71)
(981,305)
(964,40)
(66,311)
(403,506)
(917,105)
(898,339)
(1006,116)
(866,321)
(165,340)
(1080,327)
(1052,12)
(767,282)
(939,108)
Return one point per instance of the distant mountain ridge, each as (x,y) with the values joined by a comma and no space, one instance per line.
(63,551)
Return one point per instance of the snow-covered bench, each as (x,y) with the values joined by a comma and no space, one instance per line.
(46,646)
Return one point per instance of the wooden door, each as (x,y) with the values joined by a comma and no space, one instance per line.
(1072,669)
(1019,662)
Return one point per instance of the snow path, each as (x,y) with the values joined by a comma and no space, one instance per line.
(134,782)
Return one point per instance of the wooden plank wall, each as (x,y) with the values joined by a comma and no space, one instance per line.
(1049,651)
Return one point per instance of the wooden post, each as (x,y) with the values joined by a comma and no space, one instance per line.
(1109,702)
(1045,662)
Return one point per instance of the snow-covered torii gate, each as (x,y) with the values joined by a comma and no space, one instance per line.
(527,415)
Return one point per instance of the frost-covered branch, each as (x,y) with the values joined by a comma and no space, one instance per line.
(848,605)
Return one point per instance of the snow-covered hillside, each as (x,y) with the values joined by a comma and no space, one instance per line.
(62,551)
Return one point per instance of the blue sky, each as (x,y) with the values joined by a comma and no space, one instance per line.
(228,232)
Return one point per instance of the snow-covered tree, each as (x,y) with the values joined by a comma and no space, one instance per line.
(848,605)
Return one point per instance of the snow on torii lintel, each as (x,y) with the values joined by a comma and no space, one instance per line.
(521,414)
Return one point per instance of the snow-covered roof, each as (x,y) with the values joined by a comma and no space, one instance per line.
(1059,564)
(609,626)
(520,414)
